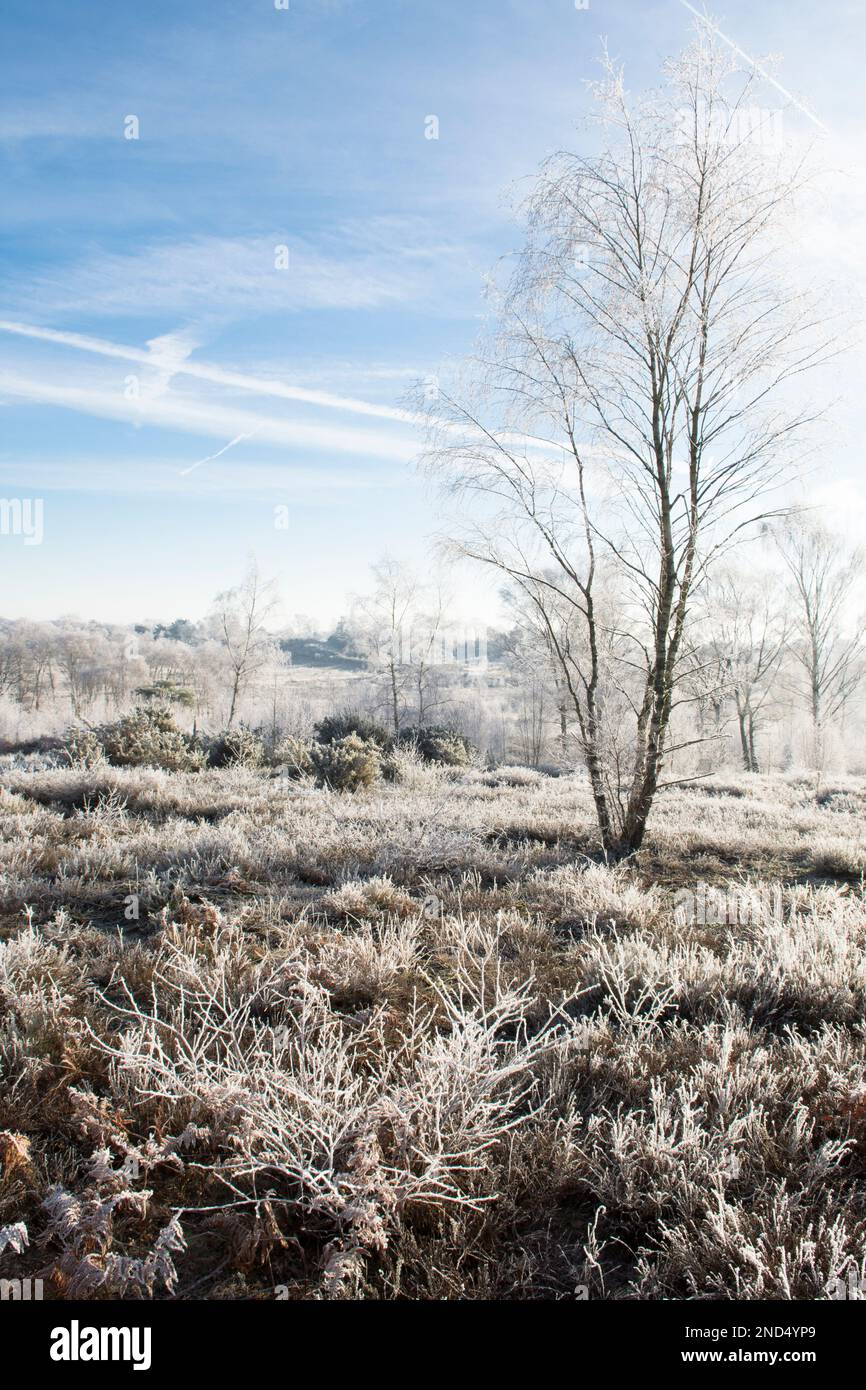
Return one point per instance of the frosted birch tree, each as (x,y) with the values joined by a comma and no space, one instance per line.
(632,413)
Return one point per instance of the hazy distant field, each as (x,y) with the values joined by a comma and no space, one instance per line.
(417,1041)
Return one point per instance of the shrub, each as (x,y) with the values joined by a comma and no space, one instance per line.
(236,748)
(83,748)
(167,690)
(368,898)
(510,776)
(146,738)
(347,764)
(46,743)
(294,755)
(392,764)
(339,726)
(404,764)
(437,744)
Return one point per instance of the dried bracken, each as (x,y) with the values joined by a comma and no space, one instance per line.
(423,1042)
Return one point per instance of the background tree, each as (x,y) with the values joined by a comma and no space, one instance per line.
(380,624)
(826,643)
(747,637)
(428,653)
(240,617)
(538,647)
(401,628)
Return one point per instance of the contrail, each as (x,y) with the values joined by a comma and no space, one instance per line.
(258,386)
(204,371)
(238,439)
(768,77)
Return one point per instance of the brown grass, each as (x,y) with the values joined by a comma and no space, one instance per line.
(420,1041)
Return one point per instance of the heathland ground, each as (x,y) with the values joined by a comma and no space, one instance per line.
(262,1039)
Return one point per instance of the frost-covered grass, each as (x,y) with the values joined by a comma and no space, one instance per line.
(421,1041)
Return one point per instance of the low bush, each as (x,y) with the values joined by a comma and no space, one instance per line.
(236,748)
(83,748)
(44,744)
(437,744)
(346,765)
(294,756)
(167,691)
(148,737)
(338,726)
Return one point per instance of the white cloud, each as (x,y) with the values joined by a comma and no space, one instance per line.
(125,474)
(359,266)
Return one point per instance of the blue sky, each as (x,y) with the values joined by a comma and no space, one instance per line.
(262,128)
